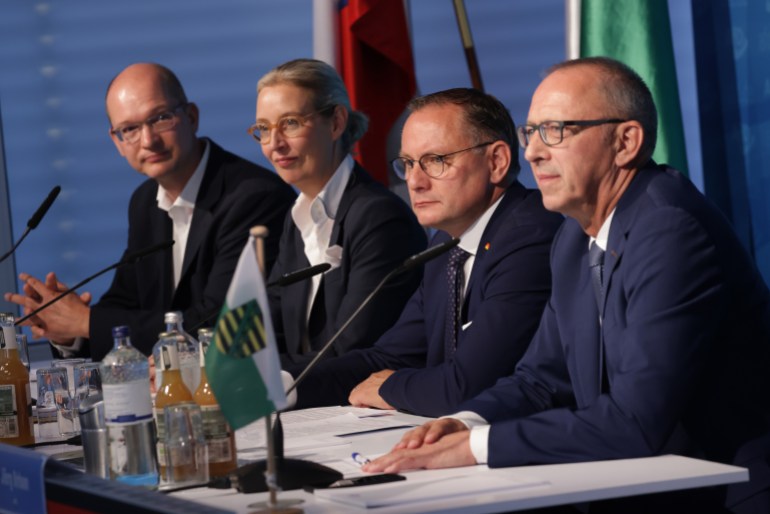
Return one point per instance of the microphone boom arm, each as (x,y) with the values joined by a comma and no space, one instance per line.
(129,259)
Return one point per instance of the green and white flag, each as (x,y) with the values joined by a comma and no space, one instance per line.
(242,363)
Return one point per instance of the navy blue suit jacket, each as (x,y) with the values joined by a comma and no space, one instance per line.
(377,232)
(234,195)
(509,285)
(685,341)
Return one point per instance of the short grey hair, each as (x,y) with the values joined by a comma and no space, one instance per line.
(627,96)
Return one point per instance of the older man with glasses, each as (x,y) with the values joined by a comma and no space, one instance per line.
(656,338)
(199,195)
(477,306)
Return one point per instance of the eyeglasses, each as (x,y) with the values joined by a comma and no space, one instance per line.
(552,132)
(161,122)
(432,164)
(288,126)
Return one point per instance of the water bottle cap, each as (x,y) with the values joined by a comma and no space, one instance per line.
(121,331)
(173,317)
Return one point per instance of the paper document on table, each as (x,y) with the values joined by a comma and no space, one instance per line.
(318,424)
(414,490)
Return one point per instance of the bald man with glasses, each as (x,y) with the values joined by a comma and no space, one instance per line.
(199,195)
(477,306)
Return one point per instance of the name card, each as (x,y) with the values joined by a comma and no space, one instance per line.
(22,486)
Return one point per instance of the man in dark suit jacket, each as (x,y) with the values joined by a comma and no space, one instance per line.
(215,196)
(471,194)
(664,350)
(376,232)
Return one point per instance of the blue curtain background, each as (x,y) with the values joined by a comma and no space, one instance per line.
(732,54)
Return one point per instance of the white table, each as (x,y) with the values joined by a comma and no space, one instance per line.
(552,484)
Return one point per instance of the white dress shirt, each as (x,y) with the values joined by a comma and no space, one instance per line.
(181,212)
(314,217)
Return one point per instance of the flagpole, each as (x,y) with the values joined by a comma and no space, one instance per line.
(467,39)
(259,233)
(573,9)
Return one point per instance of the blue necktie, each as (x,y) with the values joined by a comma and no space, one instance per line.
(455,282)
(596,262)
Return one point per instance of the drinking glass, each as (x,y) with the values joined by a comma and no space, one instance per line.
(69,365)
(186,449)
(53,391)
(88,380)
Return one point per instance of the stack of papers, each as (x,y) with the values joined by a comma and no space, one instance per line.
(315,429)
(414,490)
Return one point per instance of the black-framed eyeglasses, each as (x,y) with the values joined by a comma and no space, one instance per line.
(289,126)
(432,164)
(552,132)
(161,122)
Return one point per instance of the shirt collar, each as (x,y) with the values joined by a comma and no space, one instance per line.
(312,211)
(470,239)
(190,192)
(603,236)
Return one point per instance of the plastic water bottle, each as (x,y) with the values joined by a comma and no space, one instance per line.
(128,412)
(187,349)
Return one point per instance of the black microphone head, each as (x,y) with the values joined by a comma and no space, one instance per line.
(34,221)
(429,254)
(300,275)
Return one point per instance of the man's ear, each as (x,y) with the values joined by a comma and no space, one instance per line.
(191,110)
(499,155)
(629,137)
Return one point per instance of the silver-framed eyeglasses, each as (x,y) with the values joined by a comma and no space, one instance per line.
(161,122)
(290,125)
(432,164)
(552,132)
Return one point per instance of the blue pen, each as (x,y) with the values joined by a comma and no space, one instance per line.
(360,459)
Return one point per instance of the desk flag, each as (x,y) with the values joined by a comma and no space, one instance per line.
(242,363)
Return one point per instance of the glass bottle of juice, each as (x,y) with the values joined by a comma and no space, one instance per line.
(15,400)
(220,437)
(171,391)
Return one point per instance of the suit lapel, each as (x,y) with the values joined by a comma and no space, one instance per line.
(294,297)
(209,194)
(485,248)
(356,178)
(160,266)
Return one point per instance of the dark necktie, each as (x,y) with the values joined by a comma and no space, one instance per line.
(455,282)
(596,262)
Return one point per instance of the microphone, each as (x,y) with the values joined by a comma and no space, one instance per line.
(34,221)
(409,264)
(130,258)
(299,275)
(298,473)
(286,279)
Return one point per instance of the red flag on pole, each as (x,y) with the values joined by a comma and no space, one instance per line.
(375,61)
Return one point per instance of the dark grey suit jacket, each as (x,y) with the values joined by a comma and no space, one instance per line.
(234,195)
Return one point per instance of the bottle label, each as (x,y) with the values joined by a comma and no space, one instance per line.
(220,450)
(160,431)
(128,402)
(218,434)
(9,419)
